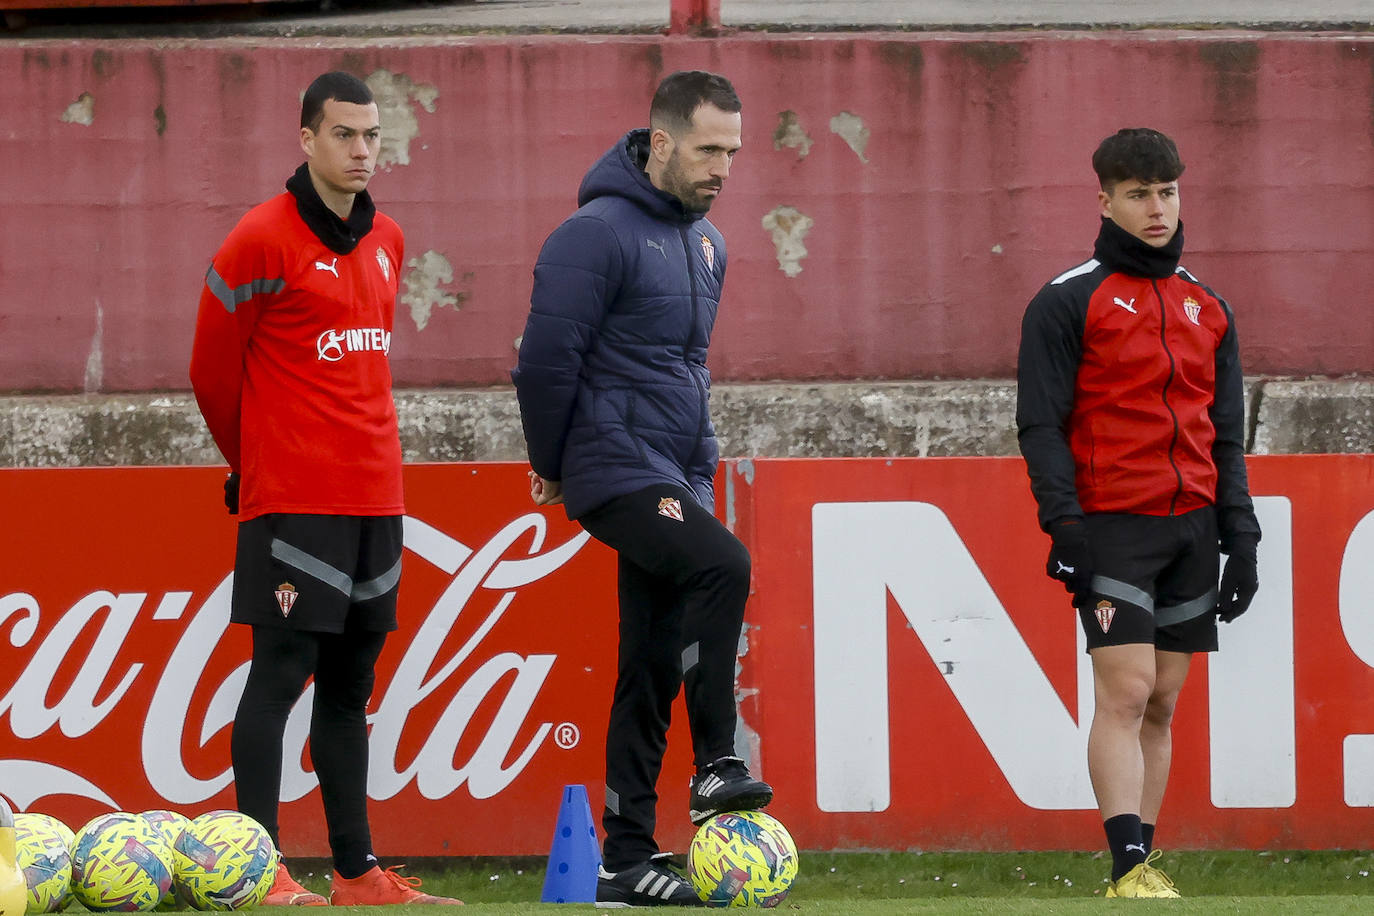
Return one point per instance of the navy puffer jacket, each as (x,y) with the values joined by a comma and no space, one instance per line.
(612,377)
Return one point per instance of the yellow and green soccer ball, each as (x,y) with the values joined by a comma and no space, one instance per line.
(742,858)
(224,860)
(43,852)
(169,824)
(120,863)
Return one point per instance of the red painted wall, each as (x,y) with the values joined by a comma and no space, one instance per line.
(974,188)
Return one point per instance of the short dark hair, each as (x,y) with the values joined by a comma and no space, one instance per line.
(680,93)
(1146,155)
(337,85)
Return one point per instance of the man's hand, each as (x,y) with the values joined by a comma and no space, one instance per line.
(231,492)
(545,492)
(1069,561)
(1239,580)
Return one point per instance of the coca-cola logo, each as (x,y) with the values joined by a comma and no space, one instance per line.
(38,702)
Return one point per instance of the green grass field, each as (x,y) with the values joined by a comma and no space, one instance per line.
(878,884)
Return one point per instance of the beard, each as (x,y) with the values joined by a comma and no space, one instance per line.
(690,193)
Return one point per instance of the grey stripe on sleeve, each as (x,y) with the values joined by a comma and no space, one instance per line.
(232,298)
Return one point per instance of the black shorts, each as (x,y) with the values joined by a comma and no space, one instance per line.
(320,573)
(1154,581)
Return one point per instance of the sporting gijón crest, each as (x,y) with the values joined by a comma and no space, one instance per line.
(670,507)
(286,597)
(708,251)
(1105,611)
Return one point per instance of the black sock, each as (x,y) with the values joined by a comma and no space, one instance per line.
(353,863)
(1125,842)
(1147,833)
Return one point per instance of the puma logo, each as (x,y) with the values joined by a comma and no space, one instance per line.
(331,267)
(1065,569)
(1128,306)
(657,245)
(1140,846)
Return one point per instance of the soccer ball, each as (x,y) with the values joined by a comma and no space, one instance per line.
(42,846)
(169,824)
(742,858)
(120,862)
(224,860)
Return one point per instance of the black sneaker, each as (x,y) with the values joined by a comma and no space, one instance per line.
(651,883)
(725,785)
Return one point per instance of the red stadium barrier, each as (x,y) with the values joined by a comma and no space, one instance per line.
(910,678)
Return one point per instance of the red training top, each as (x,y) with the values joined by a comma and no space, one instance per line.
(290,370)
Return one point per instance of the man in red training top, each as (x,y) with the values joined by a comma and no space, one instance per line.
(290,370)
(1131,419)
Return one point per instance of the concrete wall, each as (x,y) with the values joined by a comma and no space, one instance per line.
(898,200)
(765,420)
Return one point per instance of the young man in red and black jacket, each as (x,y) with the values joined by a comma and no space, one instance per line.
(290,369)
(1131,419)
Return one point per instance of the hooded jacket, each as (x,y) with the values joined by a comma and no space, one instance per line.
(1129,391)
(611,376)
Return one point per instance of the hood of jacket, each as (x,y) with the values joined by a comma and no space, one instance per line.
(620,173)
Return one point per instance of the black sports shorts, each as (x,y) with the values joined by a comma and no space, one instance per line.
(1154,580)
(320,573)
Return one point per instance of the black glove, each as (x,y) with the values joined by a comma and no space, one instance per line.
(1239,580)
(231,492)
(1069,561)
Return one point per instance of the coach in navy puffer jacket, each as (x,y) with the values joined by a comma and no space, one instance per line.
(612,377)
(613,395)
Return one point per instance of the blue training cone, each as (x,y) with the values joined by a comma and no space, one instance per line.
(575,854)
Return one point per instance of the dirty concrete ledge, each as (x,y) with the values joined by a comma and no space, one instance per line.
(835,419)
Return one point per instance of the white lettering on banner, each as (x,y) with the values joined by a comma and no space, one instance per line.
(77,712)
(1356,589)
(433,768)
(169,710)
(863,551)
(1252,707)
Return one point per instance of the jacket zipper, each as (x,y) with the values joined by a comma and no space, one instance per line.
(1164,396)
(691,331)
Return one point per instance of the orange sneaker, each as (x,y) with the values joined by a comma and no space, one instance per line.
(287,892)
(378,888)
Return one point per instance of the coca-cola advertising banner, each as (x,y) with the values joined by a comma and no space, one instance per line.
(908,677)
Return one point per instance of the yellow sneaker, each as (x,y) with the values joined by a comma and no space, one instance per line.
(1144,881)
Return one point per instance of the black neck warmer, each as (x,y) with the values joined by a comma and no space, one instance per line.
(1121,251)
(339,236)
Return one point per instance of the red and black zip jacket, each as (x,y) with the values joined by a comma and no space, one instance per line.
(1129,390)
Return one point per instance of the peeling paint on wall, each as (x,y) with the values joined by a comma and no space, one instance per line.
(82,111)
(791,134)
(95,360)
(394,93)
(789,227)
(423,295)
(851,129)
(747,742)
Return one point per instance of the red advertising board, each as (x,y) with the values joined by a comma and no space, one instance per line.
(122,673)
(909,679)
